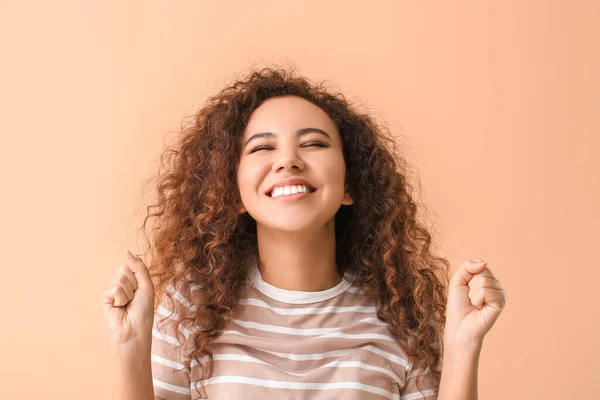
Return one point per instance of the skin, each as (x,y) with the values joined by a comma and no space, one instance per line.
(296,240)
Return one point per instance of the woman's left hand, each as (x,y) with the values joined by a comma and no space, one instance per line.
(475,300)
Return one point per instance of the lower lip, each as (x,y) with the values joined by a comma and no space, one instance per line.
(291,197)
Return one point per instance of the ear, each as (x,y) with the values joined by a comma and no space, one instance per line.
(348,200)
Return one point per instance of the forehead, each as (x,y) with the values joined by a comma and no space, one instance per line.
(286,114)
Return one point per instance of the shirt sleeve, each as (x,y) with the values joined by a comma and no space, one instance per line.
(170,378)
(429,385)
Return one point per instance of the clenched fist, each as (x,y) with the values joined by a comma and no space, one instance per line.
(128,303)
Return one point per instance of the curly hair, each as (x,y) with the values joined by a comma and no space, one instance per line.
(200,238)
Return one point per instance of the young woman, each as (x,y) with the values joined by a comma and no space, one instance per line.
(287,262)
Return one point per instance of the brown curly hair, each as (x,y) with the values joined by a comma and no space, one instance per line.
(200,238)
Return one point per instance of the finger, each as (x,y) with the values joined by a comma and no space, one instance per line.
(485,271)
(126,286)
(141,273)
(112,296)
(120,297)
(130,276)
(465,272)
(489,296)
(478,268)
(482,281)
(108,296)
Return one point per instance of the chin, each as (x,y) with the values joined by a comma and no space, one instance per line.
(288,225)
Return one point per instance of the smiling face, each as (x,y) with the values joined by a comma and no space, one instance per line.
(277,145)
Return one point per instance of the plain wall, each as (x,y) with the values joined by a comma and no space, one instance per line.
(497,104)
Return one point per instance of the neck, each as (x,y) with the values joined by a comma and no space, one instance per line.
(303,261)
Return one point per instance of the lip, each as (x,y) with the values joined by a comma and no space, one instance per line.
(288,182)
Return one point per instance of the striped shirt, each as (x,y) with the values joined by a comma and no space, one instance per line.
(292,345)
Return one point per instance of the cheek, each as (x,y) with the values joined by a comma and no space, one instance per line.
(248,177)
(241,178)
(334,169)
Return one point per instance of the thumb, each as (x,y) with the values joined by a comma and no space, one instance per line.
(141,274)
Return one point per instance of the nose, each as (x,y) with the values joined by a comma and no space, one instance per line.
(288,162)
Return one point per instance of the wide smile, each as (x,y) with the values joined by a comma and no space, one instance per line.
(291,197)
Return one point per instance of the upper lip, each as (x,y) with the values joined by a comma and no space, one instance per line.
(288,182)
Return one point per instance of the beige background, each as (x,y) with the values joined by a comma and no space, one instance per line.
(498,101)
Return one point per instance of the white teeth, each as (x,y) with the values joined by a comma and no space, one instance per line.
(287,190)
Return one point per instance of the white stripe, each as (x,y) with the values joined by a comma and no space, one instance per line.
(332,364)
(172,388)
(165,338)
(355,336)
(301,385)
(167,313)
(374,321)
(416,372)
(193,287)
(328,335)
(175,317)
(180,298)
(306,310)
(283,329)
(166,362)
(300,331)
(340,353)
(417,395)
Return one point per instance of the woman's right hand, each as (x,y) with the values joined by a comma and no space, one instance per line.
(128,303)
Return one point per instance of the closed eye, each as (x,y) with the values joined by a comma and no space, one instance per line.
(318,144)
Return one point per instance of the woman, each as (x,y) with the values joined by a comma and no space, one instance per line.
(288,262)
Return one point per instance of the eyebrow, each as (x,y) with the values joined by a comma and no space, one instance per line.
(299,132)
